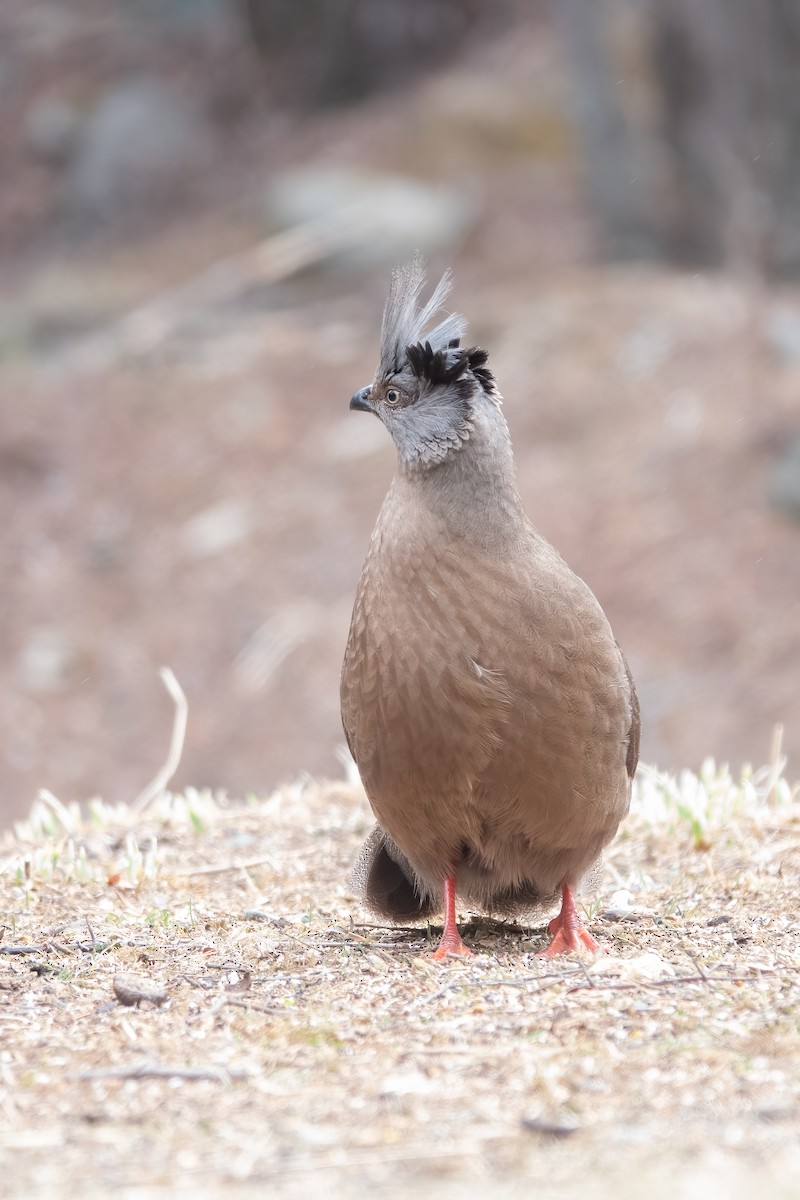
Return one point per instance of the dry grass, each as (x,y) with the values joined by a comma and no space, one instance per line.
(302,1048)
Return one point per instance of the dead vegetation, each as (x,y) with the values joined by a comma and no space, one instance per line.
(223,1016)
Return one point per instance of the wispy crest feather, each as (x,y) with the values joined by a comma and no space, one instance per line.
(405,321)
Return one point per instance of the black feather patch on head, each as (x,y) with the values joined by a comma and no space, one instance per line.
(477,364)
(436,367)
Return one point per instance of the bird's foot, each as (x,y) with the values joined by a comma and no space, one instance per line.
(569,935)
(571,941)
(451,944)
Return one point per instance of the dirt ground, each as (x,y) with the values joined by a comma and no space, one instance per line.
(294,1045)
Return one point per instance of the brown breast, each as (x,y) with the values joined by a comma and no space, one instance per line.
(486,704)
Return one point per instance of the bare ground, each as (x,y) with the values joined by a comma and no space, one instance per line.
(302,1047)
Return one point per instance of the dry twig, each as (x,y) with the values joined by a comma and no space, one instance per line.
(157,1071)
(157,786)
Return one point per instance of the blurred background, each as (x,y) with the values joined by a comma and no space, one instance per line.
(200,204)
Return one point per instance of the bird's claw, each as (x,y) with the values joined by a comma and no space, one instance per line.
(570,941)
(451,947)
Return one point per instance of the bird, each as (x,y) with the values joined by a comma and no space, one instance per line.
(488,707)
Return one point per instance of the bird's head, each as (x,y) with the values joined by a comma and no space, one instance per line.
(427,390)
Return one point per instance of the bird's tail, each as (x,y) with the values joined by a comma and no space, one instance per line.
(385,879)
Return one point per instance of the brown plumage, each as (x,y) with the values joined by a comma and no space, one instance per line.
(486,703)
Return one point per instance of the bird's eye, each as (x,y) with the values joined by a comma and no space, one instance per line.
(392,396)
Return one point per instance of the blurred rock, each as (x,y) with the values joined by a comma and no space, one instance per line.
(216,529)
(782,331)
(784,484)
(51,129)
(386,216)
(138,149)
(46,660)
(646,349)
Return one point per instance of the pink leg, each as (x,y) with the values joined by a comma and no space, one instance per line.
(569,935)
(451,942)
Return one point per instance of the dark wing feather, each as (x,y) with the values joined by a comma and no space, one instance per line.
(632,759)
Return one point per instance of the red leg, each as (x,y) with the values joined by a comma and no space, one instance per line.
(451,942)
(569,935)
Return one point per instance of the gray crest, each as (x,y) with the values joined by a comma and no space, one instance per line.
(405,319)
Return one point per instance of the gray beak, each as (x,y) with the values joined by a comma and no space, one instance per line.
(361,400)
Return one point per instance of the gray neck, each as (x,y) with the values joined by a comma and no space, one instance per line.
(473,491)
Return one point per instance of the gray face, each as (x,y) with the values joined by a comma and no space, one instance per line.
(427,420)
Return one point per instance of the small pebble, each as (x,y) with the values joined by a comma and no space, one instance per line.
(556,1128)
(132,989)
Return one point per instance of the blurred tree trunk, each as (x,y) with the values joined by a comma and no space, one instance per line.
(321,52)
(690,118)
